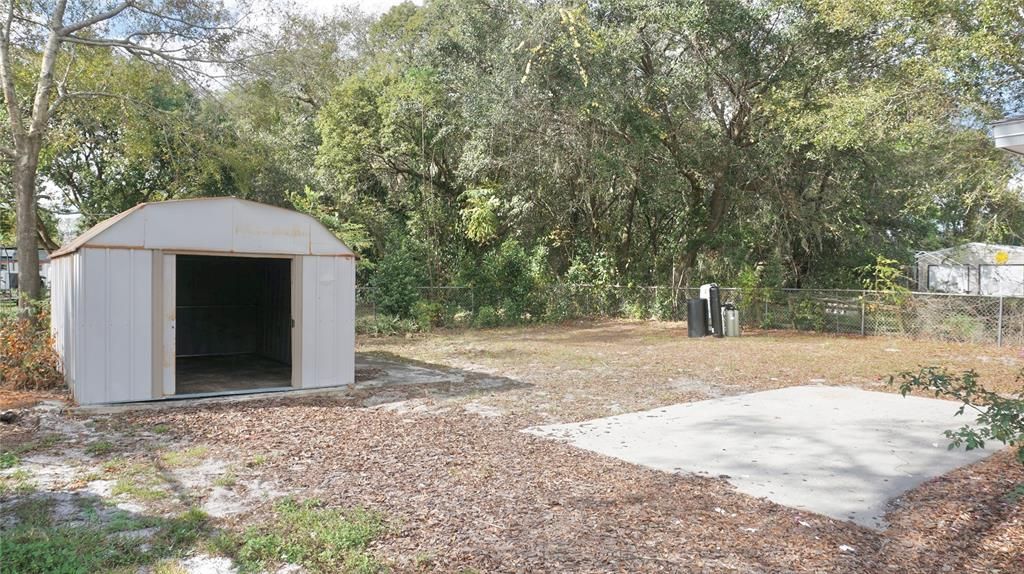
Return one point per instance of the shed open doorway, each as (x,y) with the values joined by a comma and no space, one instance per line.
(233,324)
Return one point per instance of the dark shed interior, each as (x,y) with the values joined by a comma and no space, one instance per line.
(233,323)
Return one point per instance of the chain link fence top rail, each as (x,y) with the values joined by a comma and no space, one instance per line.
(940,316)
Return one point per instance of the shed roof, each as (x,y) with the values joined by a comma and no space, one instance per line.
(213,224)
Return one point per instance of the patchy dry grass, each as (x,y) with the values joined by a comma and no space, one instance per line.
(187,457)
(16,482)
(586,370)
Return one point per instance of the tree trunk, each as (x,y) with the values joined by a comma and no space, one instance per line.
(29,284)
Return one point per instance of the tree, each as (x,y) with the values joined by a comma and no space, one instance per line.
(183,35)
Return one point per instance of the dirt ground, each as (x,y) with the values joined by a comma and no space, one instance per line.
(462,489)
(594,369)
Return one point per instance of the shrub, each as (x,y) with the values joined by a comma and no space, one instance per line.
(385,325)
(505,277)
(636,310)
(27,358)
(397,279)
(997,417)
(427,315)
(487,316)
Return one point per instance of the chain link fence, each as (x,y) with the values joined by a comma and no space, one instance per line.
(957,318)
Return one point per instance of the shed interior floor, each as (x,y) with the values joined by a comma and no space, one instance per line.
(214,374)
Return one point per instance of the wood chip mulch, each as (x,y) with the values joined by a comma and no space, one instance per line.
(465,491)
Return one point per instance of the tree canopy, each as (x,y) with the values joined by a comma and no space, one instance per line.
(787,142)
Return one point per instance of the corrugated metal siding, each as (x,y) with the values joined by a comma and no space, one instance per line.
(328,321)
(114,324)
(62,321)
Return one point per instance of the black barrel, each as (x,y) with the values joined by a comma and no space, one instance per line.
(696,317)
(715,306)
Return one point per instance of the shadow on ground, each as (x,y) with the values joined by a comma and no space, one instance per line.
(380,379)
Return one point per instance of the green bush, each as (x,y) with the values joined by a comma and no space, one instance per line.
(397,278)
(964,327)
(427,315)
(638,310)
(506,277)
(808,314)
(487,316)
(591,281)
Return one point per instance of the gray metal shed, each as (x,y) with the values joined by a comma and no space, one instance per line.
(203,296)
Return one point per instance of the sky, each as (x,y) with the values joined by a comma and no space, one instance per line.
(371,6)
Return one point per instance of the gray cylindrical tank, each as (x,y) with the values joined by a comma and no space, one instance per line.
(715,308)
(731,320)
(696,317)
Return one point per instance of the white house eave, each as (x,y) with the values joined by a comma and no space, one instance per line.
(1009,134)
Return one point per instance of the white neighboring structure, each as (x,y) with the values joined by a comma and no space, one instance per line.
(9,267)
(1009,134)
(118,301)
(973,268)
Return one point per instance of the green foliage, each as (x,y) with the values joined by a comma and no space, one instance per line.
(808,314)
(427,315)
(8,460)
(480,215)
(884,274)
(381,325)
(307,533)
(36,545)
(396,281)
(633,141)
(997,417)
(354,235)
(487,316)
(506,278)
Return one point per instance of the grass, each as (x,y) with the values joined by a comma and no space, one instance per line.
(8,460)
(182,458)
(642,365)
(10,456)
(136,480)
(36,544)
(99,448)
(228,479)
(161,428)
(16,482)
(256,461)
(318,538)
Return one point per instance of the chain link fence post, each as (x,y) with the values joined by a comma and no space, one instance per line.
(999,325)
(863,311)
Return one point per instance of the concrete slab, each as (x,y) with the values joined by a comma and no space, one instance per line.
(838,451)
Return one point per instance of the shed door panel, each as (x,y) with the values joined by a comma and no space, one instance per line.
(949,278)
(328,321)
(116,317)
(1002,280)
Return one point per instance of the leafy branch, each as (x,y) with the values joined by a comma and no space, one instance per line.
(997,417)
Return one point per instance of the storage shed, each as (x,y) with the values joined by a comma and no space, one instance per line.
(203,296)
(973,269)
